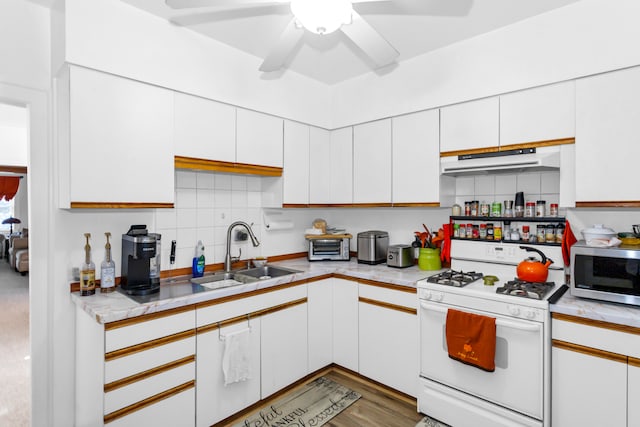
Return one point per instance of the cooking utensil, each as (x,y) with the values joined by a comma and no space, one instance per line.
(532,270)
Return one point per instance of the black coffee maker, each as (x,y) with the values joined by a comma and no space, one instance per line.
(138,254)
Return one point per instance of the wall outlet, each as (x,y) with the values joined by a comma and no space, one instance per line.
(75,273)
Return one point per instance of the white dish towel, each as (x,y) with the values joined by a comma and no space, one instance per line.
(236,359)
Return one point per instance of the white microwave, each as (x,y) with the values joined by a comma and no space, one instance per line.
(607,274)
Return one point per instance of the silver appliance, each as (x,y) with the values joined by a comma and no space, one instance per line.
(400,256)
(329,248)
(140,271)
(372,247)
(517,391)
(509,161)
(607,274)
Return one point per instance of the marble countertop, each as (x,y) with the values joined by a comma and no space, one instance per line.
(621,314)
(109,307)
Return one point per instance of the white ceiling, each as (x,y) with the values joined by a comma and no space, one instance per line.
(413,27)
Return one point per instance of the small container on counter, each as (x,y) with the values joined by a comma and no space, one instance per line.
(456,210)
(541,208)
(550,233)
(553,209)
(529,209)
(515,235)
(497,232)
(489,231)
(496,209)
(525,233)
(540,233)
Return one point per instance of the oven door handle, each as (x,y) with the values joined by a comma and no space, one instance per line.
(529,326)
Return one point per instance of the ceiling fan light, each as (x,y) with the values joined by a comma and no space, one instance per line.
(322,16)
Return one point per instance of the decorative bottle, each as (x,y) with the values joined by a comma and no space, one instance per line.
(88,271)
(107,269)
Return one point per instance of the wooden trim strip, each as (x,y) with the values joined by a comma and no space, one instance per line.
(416,205)
(245,317)
(391,286)
(388,305)
(318,278)
(495,149)
(596,323)
(633,361)
(609,204)
(193,163)
(295,205)
(590,351)
(370,205)
(13,169)
(148,401)
(120,205)
(147,317)
(249,294)
(342,276)
(158,342)
(148,373)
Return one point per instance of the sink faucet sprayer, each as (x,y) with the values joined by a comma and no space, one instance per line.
(228,258)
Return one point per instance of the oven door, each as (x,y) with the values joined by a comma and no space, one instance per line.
(516,383)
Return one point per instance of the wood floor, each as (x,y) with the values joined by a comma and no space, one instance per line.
(378,406)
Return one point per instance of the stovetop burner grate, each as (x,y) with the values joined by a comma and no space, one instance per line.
(521,288)
(454,278)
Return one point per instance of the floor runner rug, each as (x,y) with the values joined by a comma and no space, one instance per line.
(430,422)
(312,405)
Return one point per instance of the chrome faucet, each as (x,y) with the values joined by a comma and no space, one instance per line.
(228,259)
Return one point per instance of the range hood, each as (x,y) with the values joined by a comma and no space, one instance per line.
(509,161)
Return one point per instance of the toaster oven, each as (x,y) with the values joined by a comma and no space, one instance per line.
(329,248)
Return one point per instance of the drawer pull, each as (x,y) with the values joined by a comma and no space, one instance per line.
(148,373)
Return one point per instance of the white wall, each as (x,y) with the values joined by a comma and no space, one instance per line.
(584,38)
(112,36)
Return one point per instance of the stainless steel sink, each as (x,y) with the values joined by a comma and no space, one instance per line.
(222,280)
(265,272)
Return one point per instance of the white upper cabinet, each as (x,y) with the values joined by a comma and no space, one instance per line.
(372,162)
(204,129)
(258,138)
(470,125)
(295,173)
(416,158)
(607,130)
(539,114)
(320,164)
(115,128)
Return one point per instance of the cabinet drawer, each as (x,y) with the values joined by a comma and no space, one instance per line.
(230,309)
(390,296)
(131,394)
(146,328)
(175,410)
(126,366)
(601,338)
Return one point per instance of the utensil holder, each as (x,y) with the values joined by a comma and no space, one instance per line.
(429,259)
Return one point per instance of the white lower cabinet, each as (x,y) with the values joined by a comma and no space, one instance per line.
(388,336)
(320,323)
(595,378)
(345,323)
(284,348)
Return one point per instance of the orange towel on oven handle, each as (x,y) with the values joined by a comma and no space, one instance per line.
(471,339)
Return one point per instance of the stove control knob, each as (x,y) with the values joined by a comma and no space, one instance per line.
(438,296)
(513,310)
(530,314)
(427,295)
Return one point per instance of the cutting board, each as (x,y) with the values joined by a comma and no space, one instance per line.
(327,236)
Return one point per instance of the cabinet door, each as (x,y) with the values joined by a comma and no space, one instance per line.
(214,400)
(633,391)
(259,139)
(607,129)
(284,348)
(176,410)
(345,323)
(320,165)
(295,174)
(388,337)
(538,114)
(119,128)
(320,299)
(416,157)
(204,129)
(339,174)
(469,125)
(587,390)
(372,162)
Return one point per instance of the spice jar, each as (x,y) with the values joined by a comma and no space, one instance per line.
(540,233)
(497,232)
(553,209)
(462,231)
(469,231)
(496,209)
(456,210)
(483,231)
(475,234)
(550,233)
(508,208)
(484,209)
(559,232)
(467,208)
(456,230)
(529,209)
(525,233)
(475,206)
(489,231)
(506,230)
(541,208)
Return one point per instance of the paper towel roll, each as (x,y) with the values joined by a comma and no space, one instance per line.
(279,225)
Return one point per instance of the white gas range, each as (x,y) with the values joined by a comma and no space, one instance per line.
(517,392)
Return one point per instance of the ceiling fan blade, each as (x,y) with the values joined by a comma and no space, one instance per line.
(186,4)
(221,15)
(412,7)
(370,41)
(283,48)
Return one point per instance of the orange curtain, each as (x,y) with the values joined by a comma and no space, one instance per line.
(9,187)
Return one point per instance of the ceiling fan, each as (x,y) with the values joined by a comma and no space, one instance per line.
(317,16)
